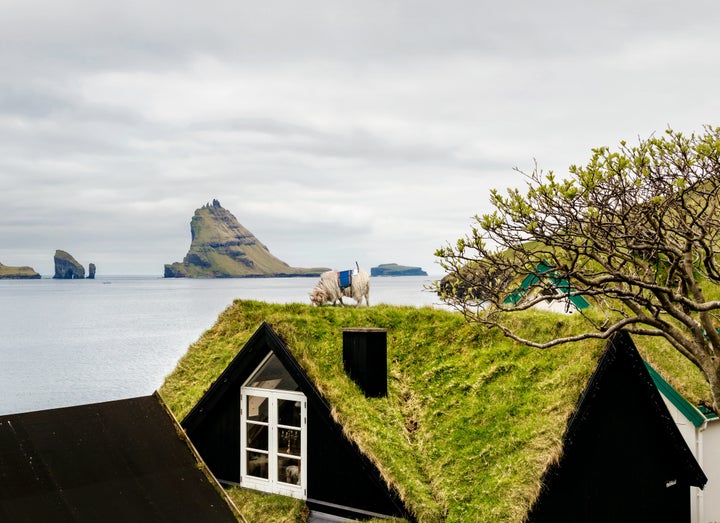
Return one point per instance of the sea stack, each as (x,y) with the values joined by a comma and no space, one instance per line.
(222,248)
(91,271)
(67,267)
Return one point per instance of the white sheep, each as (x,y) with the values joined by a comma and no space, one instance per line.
(328,288)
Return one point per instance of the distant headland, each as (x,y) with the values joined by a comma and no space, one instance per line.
(393,269)
(18,273)
(222,248)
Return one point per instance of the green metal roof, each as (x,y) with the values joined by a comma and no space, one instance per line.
(560,283)
(690,411)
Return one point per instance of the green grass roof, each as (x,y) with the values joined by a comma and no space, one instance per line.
(471,420)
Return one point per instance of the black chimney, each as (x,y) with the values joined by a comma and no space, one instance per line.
(365,359)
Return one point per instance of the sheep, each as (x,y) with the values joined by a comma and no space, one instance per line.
(328,288)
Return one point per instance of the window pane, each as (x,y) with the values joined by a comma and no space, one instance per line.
(257,464)
(289,413)
(257,408)
(289,470)
(257,436)
(289,442)
(272,375)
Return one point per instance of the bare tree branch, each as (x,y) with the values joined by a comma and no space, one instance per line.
(636,232)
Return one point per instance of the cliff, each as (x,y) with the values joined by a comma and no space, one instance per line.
(222,248)
(393,269)
(17,273)
(67,267)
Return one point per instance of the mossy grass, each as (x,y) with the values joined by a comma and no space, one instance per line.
(257,506)
(471,420)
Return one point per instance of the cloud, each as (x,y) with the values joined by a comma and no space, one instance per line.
(333,130)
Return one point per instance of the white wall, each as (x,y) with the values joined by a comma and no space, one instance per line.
(711,466)
(705,446)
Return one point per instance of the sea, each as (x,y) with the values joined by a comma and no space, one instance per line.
(72,342)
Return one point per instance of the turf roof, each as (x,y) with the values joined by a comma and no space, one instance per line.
(471,419)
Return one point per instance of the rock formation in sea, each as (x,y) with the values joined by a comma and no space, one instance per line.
(222,248)
(17,273)
(91,271)
(67,267)
(393,269)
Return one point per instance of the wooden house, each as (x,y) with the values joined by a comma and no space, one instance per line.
(545,282)
(116,461)
(264,425)
(469,428)
(700,428)
(623,457)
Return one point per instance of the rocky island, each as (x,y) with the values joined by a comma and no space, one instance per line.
(67,267)
(18,273)
(393,269)
(222,248)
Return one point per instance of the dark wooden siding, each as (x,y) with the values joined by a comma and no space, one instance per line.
(338,474)
(624,459)
(219,441)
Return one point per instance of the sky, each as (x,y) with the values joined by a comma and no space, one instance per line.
(335,131)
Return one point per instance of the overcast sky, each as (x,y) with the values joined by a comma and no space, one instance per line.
(333,130)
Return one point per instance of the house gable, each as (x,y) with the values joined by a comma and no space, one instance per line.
(340,478)
(623,458)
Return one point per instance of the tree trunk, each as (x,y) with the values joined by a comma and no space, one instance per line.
(711,369)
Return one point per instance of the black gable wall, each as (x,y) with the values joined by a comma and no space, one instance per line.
(213,424)
(624,459)
(218,441)
(339,474)
(340,479)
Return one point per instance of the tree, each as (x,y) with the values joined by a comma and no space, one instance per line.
(636,231)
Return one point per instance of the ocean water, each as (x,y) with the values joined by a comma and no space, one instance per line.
(70,342)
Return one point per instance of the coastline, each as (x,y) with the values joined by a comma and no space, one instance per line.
(70,342)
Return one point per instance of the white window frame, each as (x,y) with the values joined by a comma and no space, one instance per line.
(273,485)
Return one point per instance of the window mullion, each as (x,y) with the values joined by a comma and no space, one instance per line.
(272,451)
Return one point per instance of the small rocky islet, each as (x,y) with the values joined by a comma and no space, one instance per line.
(68,268)
(393,269)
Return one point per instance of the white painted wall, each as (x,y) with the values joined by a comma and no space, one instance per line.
(711,466)
(704,442)
(563,305)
